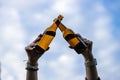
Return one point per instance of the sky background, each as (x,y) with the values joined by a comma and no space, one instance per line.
(22,20)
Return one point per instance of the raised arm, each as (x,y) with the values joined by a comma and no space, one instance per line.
(33,56)
(90,61)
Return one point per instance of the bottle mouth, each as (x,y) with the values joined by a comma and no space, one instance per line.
(60,17)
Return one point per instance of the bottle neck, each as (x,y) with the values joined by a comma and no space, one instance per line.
(52,28)
(56,23)
(62,27)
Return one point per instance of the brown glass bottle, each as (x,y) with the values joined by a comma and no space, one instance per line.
(48,35)
(75,42)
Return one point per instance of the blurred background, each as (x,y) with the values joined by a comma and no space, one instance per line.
(22,20)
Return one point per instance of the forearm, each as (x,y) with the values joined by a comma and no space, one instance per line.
(91,70)
(91,73)
(31,75)
(31,71)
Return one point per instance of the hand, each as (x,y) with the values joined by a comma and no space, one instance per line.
(87,54)
(32,53)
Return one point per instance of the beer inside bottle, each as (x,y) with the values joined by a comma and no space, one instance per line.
(48,35)
(75,42)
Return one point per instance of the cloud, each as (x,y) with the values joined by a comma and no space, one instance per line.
(60,68)
(105,41)
(65,6)
(21,4)
(91,19)
(12,41)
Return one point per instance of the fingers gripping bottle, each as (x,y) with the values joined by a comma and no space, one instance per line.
(75,42)
(48,35)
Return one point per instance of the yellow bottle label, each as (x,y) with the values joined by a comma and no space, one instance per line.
(45,41)
(73,42)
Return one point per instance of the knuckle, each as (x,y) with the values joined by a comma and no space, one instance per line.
(91,42)
(25,48)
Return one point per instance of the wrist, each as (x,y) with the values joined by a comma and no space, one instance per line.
(31,67)
(91,63)
(88,57)
(32,63)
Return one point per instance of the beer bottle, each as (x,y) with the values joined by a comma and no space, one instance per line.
(75,41)
(48,35)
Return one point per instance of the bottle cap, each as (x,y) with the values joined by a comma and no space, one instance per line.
(60,17)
